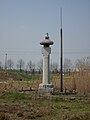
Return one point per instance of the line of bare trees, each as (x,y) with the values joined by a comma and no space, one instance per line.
(68,66)
(20,65)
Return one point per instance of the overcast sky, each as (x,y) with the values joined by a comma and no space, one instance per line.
(23,24)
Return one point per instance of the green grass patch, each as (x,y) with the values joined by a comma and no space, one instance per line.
(14,96)
(28,77)
(56,107)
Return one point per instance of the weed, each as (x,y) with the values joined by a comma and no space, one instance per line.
(14,96)
(4,116)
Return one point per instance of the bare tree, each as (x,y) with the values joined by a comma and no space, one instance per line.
(67,65)
(40,65)
(1,65)
(88,63)
(10,64)
(54,67)
(82,64)
(79,64)
(31,66)
(20,64)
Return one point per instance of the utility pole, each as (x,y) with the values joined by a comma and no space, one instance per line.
(61,58)
(5,61)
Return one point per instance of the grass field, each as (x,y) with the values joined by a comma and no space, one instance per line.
(32,106)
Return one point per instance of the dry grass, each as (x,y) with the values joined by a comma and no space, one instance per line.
(83,82)
(79,81)
(4,116)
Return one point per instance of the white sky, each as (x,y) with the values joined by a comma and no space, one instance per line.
(23,24)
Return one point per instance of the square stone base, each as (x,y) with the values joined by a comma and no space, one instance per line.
(46,88)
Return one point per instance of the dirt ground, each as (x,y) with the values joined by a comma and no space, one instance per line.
(33,106)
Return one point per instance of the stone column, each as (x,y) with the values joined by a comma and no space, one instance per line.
(46,64)
(46,51)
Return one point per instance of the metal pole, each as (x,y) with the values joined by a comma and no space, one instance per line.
(5,61)
(61,59)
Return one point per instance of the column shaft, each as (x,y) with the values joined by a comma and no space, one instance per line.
(46,79)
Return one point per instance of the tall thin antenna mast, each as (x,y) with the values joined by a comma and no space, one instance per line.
(61,58)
